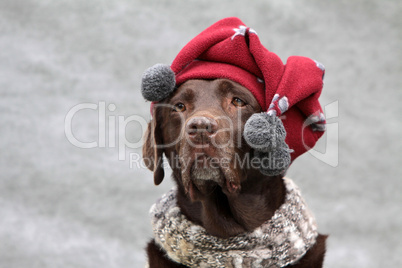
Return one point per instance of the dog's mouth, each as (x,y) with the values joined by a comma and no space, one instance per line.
(204,174)
(205,180)
(204,169)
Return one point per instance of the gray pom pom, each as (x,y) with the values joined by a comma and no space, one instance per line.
(158,82)
(264,132)
(275,162)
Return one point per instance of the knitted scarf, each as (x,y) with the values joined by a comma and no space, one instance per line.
(282,240)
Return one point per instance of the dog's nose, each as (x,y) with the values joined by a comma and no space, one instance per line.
(200,127)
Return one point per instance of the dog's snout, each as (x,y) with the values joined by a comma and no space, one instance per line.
(201,126)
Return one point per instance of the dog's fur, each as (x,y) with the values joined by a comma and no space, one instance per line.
(226,200)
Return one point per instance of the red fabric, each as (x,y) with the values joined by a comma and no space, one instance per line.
(229,49)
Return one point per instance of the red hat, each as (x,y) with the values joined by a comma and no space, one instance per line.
(287,92)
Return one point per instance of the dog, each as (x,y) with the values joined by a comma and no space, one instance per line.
(230,117)
(225,208)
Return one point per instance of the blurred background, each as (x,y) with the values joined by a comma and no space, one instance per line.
(70,76)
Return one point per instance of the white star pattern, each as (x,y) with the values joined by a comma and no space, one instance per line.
(320,65)
(242,31)
(322,68)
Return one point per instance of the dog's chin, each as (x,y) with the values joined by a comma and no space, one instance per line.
(201,175)
(202,178)
(207,178)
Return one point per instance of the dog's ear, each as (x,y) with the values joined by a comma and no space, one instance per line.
(151,151)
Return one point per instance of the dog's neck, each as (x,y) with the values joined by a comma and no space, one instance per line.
(278,242)
(225,215)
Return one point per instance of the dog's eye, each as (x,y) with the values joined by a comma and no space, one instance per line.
(179,107)
(238,102)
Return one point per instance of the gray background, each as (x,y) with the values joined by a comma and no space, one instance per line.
(64,206)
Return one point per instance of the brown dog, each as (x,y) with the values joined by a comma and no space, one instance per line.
(200,124)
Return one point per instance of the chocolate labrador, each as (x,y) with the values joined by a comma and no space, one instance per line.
(199,130)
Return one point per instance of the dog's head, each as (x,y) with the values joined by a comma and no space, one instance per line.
(209,99)
(199,129)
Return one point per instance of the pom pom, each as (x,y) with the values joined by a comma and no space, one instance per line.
(264,132)
(275,162)
(158,82)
